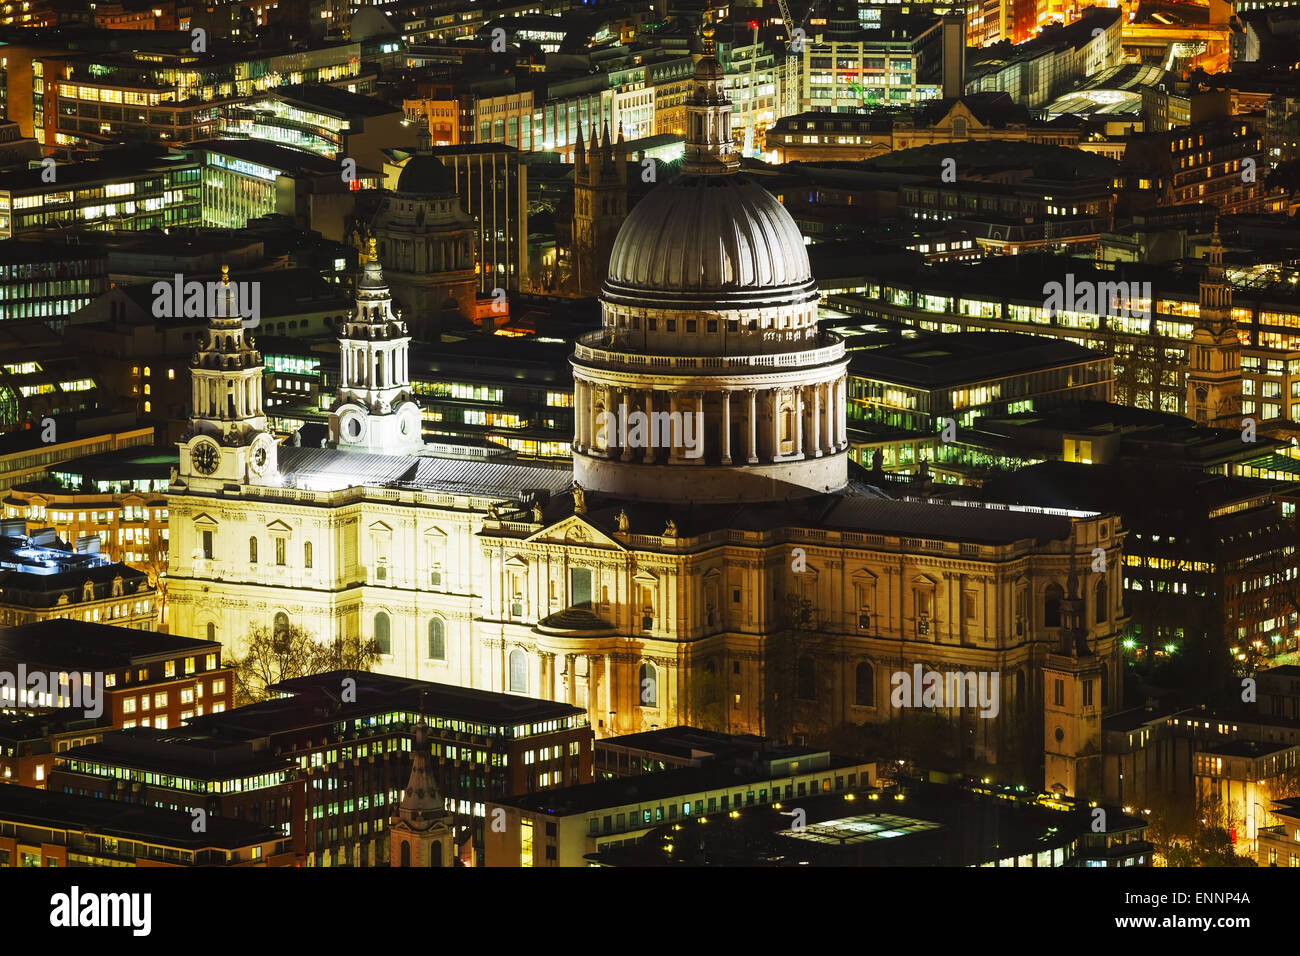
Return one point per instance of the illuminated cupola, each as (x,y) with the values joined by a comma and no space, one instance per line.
(375,411)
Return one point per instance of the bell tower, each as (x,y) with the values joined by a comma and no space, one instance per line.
(375,411)
(1214,381)
(1072,706)
(227,440)
(421,834)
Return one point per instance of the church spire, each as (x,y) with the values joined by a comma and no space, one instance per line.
(422,803)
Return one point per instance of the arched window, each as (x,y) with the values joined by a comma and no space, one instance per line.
(865,686)
(212,631)
(1052,605)
(383,636)
(252,551)
(406,853)
(1103,608)
(1020,692)
(518,672)
(306,554)
(435,853)
(648,681)
(280,626)
(437,645)
(807,679)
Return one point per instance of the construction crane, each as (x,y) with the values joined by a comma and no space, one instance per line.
(789,93)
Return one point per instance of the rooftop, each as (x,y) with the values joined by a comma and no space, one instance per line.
(332,100)
(85,815)
(81,645)
(314,701)
(957,358)
(662,785)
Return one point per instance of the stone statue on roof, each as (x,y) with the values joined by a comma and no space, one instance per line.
(622,519)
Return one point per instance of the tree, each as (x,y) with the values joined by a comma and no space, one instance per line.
(798,672)
(279,654)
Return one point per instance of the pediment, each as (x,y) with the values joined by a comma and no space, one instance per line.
(575,530)
(278,527)
(204,520)
(379,527)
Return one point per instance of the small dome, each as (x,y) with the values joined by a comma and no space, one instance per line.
(425,176)
(708,234)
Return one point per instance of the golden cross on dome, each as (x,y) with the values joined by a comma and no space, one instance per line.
(225,275)
(371,253)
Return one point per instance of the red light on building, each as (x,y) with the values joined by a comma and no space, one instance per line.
(1233,834)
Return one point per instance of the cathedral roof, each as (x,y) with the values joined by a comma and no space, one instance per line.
(329,468)
(708,234)
(865,513)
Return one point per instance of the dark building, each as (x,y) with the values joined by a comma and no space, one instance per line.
(352,758)
(49,280)
(1206,557)
(39,828)
(148,679)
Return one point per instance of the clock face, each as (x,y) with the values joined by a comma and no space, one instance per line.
(205,457)
(259,457)
(1060,735)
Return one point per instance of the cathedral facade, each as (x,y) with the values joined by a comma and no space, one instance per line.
(749,588)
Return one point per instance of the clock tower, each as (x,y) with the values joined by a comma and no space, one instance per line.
(227,441)
(375,411)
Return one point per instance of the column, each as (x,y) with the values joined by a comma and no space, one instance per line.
(651,436)
(751,455)
(697,427)
(817,421)
(841,415)
(674,439)
(625,396)
(828,418)
(726,426)
(774,397)
(585,410)
(799,450)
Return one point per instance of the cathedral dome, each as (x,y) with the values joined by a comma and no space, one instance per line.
(425,176)
(708,234)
